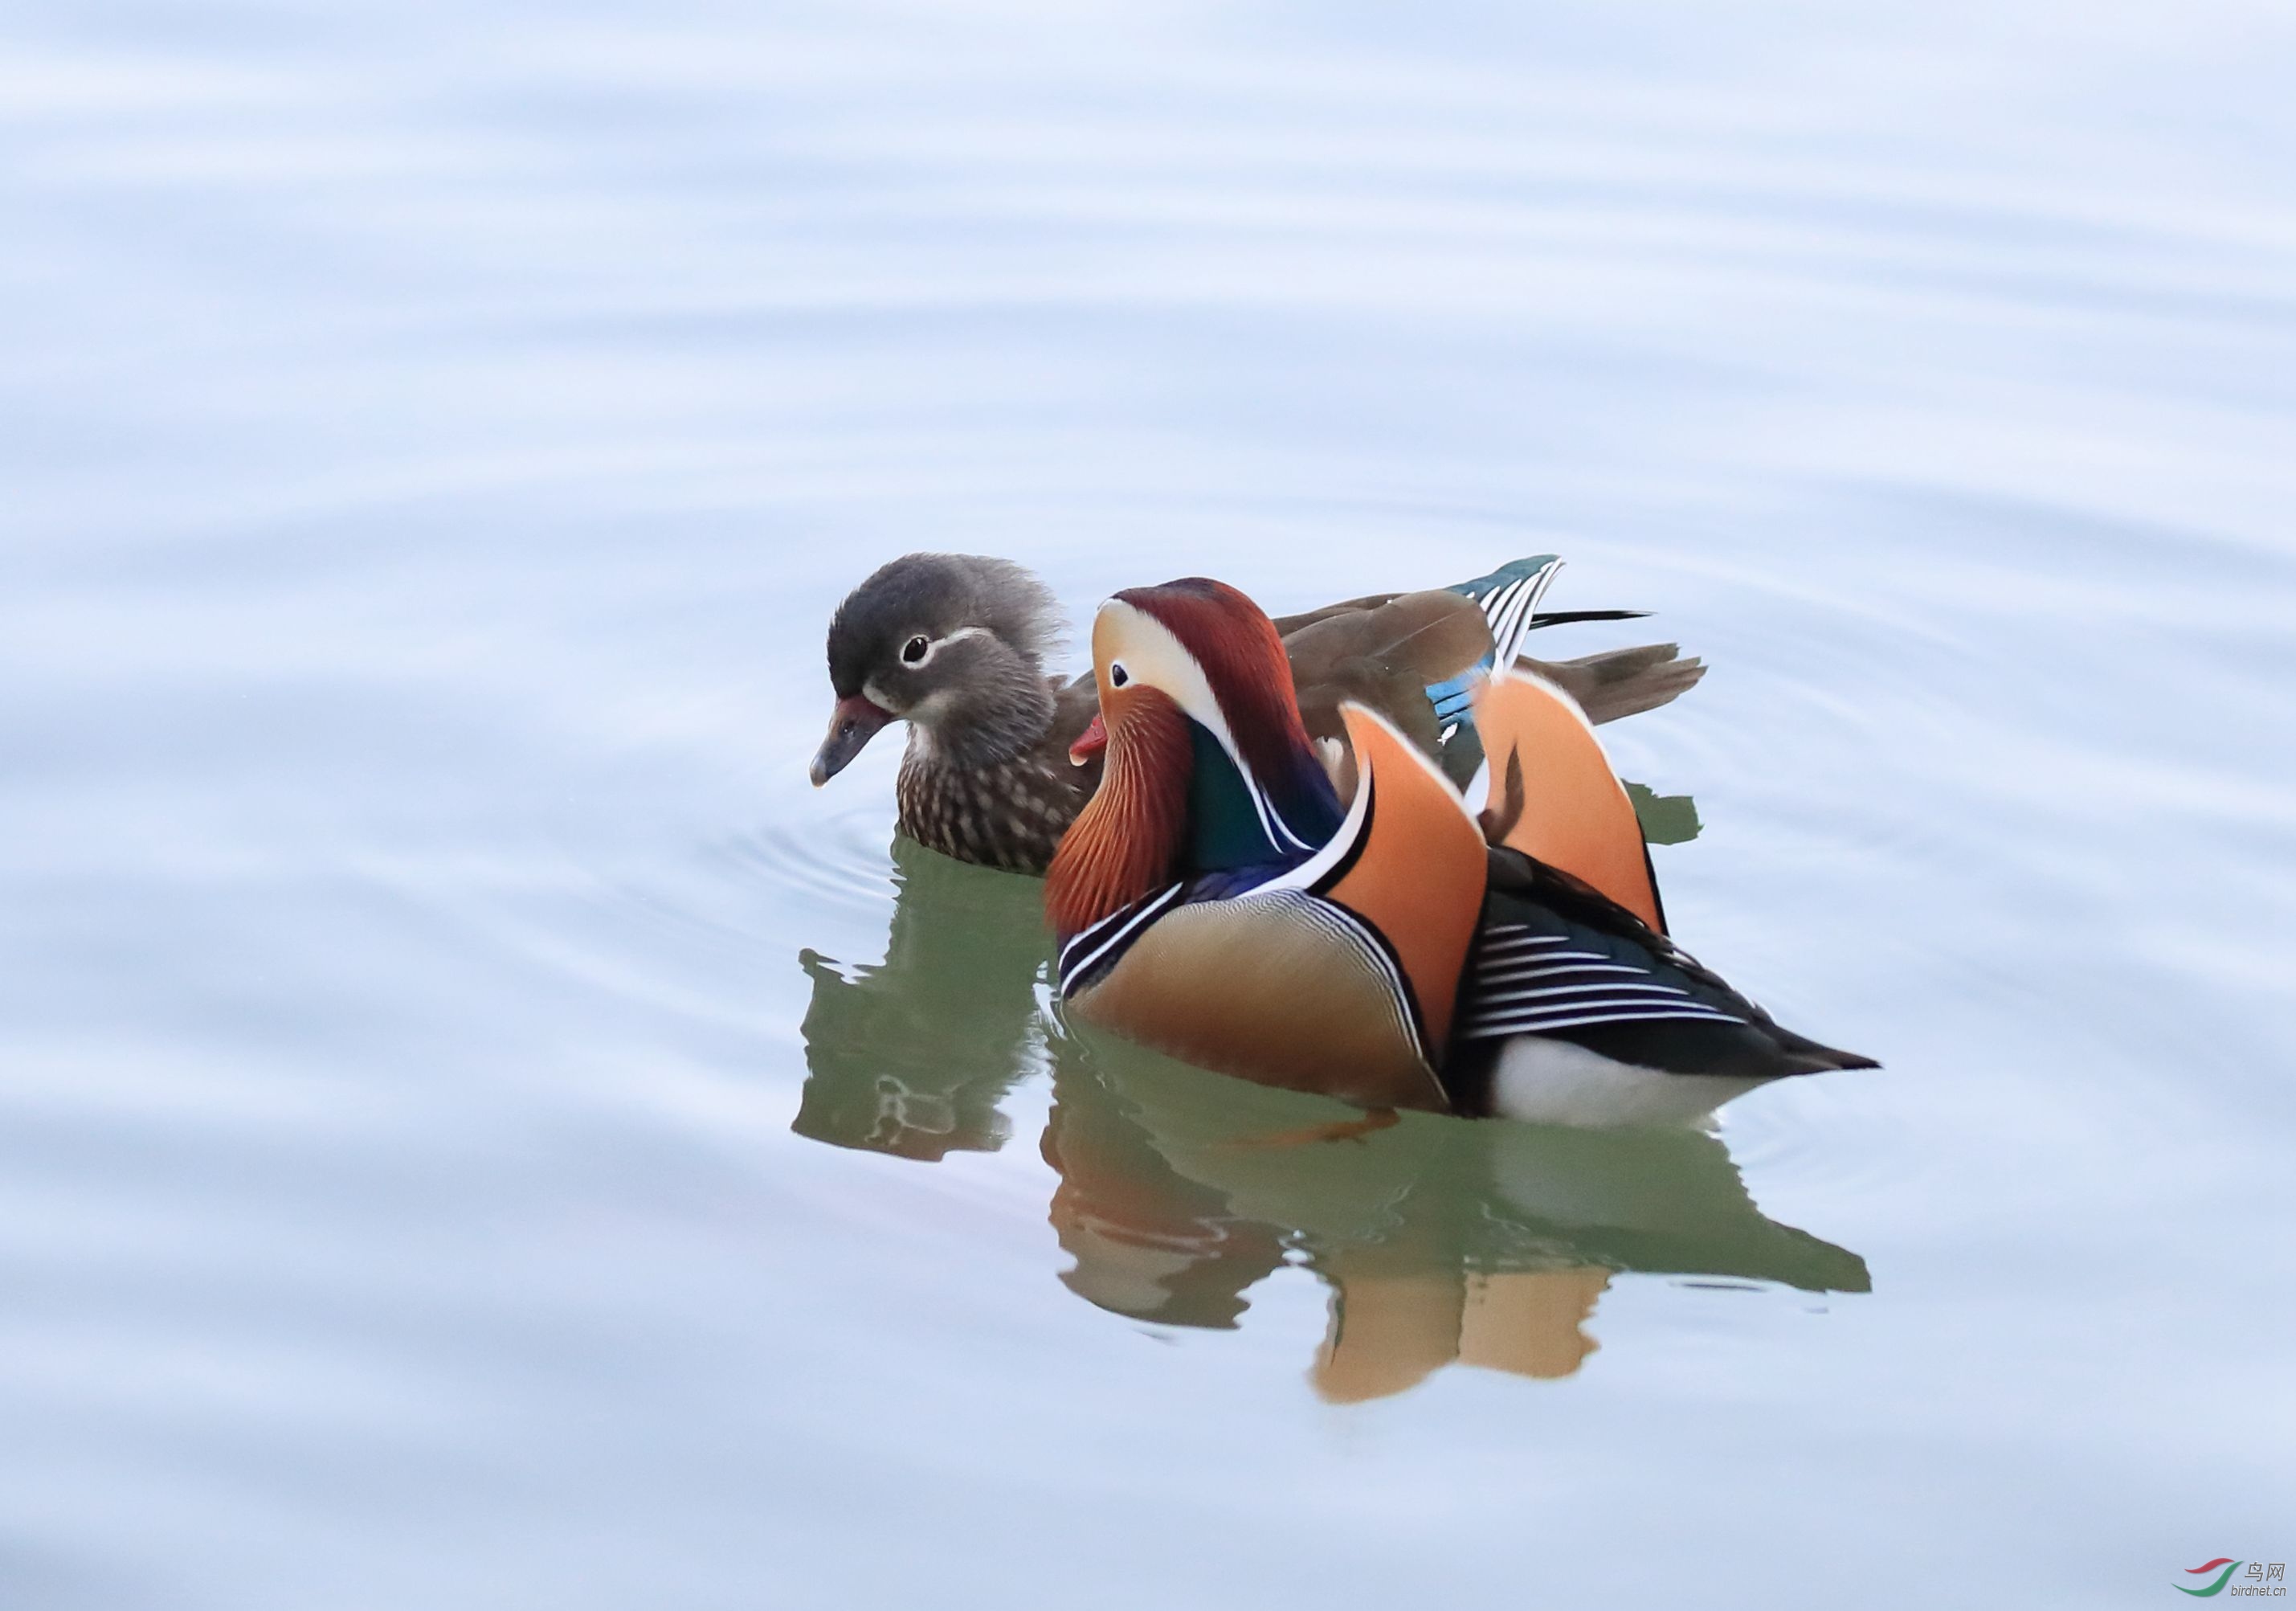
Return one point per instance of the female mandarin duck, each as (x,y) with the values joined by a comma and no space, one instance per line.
(1215,901)
(955,644)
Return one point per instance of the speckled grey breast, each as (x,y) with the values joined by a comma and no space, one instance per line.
(1009,815)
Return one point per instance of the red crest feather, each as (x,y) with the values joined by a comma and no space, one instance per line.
(1245,662)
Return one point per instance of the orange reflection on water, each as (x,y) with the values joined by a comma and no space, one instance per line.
(1440,1240)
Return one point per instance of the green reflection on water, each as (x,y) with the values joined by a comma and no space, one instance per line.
(1665,818)
(1442,1240)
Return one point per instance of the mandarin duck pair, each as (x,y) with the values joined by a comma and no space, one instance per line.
(1260,860)
(956,646)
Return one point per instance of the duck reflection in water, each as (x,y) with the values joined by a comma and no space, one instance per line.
(913,1056)
(1483,1244)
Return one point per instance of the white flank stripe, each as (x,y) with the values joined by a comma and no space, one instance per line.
(1570,1018)
(1518,974)
(1376,955)
(1138,918)
(1608,990)
(1091,932)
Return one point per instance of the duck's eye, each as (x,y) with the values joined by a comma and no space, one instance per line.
(914,652)
(1117,675)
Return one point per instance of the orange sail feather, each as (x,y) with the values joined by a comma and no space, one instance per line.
(1419,868)
(1576,815)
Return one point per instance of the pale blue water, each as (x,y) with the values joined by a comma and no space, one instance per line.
(464,1142)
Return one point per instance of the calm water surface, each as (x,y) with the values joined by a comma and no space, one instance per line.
(478,1131)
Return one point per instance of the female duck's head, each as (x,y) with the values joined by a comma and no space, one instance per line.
(1209,767)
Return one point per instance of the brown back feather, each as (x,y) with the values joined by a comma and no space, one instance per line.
(1384,656)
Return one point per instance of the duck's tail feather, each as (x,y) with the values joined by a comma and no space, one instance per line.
(1804,1055)
(1563,618)
(1622,682)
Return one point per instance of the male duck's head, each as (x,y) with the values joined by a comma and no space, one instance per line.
(1207,766)
(953,644)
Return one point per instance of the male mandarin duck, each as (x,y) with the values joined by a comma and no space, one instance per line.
(956,646)
(1215,900)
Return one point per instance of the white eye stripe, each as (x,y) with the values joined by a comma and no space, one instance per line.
(1155,658)
(934,645)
